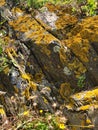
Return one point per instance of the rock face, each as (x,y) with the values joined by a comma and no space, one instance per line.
(51,53)
(61,59)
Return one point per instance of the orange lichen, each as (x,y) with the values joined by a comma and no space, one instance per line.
(75,65)
(32,29)
(88,29)
(21,20)
(65,20)
(51,7)
(92,36)
(80,47)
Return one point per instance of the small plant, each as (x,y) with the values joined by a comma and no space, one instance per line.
(36,3)
(82,7)
(28,126)
(90,7)
(42,126)
(81,80)
(85,7)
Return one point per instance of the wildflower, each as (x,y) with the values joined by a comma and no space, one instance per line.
(34,104)
(41,111)
(26,113)
(54,105)
(49,117)
(2,112)
(62,126)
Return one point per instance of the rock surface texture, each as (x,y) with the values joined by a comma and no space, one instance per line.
(53,55)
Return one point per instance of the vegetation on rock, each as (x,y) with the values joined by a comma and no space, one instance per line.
(49,65)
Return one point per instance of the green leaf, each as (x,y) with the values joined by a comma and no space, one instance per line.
(1,50)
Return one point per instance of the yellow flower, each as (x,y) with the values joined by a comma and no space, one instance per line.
(2,112)
(41,111)
(62,126)
(26,113)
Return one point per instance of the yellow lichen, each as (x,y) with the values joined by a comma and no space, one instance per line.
(11,51)
(2,2)
(80,47)
(59,8)
(20,23)
(65,90)
(12,54)
(87,107)
(32,29)
(92,36)
(77,67)
(62,55)
(17,11)
(51,7)
(88,29)
(86,97)
(45,50)
(33,85)
(65,20)
(26,76)
(70,106)
(74,65)
(38,76)
(7,40)
(26,93)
